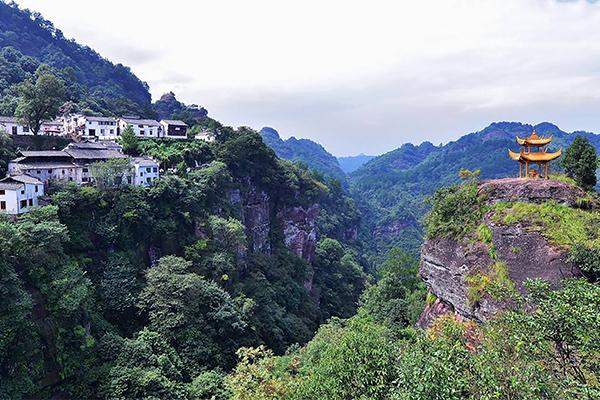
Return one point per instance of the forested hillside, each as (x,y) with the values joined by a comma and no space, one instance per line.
(391,189)
(126,292)
(28,40)
(304,151)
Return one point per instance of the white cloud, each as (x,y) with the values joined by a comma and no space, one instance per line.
(357,76)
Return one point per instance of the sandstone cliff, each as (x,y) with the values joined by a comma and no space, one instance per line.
(261,216)
(457,270)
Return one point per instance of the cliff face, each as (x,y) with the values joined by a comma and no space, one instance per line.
(260,215)
(448,265)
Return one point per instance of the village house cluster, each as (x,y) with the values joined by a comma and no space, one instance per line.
(104,128)
(32,170)
(95,137)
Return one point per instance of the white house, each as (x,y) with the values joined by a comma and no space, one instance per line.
(19,193)
(53,128)
(174,129)
(141,127)
(13,127)
(146,171)
(97,127)
(72,164)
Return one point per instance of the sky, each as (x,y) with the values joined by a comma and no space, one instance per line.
(356,76)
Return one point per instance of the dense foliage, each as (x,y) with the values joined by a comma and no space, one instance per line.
(119,291)
(580,162)
(551,353)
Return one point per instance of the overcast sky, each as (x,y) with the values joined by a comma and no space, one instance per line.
(356,76)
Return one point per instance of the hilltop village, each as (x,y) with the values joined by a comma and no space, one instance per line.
(94,140)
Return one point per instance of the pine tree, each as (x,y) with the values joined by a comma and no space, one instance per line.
(580,162)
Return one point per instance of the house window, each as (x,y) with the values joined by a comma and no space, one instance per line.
(26,129)
(148,180)
(92,132)
(2,191)
(148,170)
(85,170)
(36,189)
(23,203)
(142,133)
(14,130)
(85,179)
(129,180)
(112,131)
(49,171)
(63,171)
(102,131)
(155,169)
(70,179)
(30,202)
(2,205)
(141,174)
(38,172)
(22,191)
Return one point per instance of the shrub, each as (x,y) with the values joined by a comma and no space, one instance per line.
(455,211)
(587,258)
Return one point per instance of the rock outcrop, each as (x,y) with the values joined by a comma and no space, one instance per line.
(300,230)
(447,264)
(530,190)
(260,215)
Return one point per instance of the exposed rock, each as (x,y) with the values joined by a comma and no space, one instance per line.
(446,264)
(530,190)
(433,311)
(300,230)
(256,217)
(298,224)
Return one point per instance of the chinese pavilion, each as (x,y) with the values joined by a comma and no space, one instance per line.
(534,152)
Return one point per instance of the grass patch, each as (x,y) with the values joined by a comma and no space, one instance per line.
(455,212)
(563,178)
(561,225)
(496,283)
(485,235)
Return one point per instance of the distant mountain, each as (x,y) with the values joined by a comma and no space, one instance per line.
(352,163)
(391,189)
(304,151)
(27,40)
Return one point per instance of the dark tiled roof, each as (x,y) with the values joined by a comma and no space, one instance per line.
(144,161)
(149,122)
(45,153)
(24,178)
(174,122)
(94,154)
(109,119)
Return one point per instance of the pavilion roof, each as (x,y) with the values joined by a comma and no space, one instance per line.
(534,140)
(535,156)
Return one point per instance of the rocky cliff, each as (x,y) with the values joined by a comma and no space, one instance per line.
(260,215)
(457,271)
